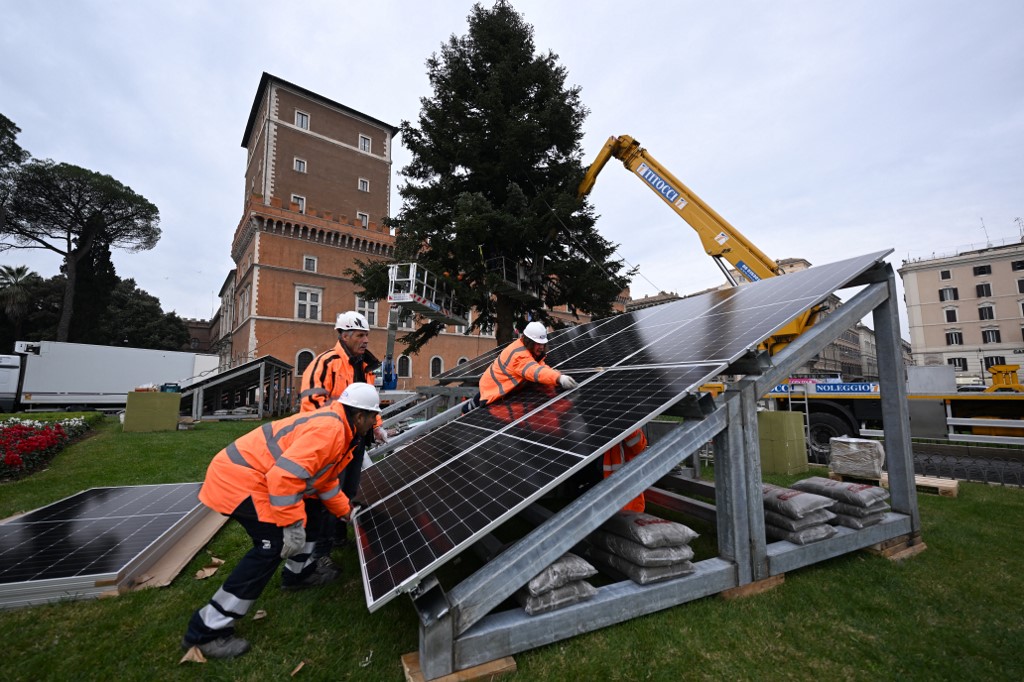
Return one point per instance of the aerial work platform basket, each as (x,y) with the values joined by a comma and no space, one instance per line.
(412,286)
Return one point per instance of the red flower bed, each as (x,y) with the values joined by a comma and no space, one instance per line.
(27,446)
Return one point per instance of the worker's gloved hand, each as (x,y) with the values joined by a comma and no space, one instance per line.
(294,539)
(380,434)
(567,382)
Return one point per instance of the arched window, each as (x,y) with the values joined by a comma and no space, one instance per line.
(463,360)
(405,366)
(302,360)
(436,366)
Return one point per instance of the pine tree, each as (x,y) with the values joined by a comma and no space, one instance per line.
(496,163)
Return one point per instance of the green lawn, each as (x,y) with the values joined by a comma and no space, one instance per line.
(954,612)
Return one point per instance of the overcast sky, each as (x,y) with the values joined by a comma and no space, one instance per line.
(820,129)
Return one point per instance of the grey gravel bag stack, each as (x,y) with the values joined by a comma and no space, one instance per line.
(858,505)
(643,547)
(557,586)
(797,516)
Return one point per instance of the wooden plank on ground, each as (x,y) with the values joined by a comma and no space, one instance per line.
(484,671)
(946,487)
(753,588)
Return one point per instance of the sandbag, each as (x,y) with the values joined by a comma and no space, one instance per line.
(648,530)
(879,507)
(812,519)
(800,537)
(559,597)
(637,553)
(641,575)
(795,504)
(856,494)
(857,522)
(566,569)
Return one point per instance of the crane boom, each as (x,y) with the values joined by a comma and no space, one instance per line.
(720,239)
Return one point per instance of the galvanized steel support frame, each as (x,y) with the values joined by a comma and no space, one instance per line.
(458,629)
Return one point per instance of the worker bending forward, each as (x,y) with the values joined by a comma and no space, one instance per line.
(521,361)
(623,452)
(266,480)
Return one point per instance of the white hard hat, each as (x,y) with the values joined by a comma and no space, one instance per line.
(361,396)
(536,332)
(350,321)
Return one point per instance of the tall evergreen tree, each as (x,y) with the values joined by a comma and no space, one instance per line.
(492,185)
(134,318)
(94,287)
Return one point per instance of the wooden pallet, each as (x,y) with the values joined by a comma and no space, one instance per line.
(946,487)
(485,671)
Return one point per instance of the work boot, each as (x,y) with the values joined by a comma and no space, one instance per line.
(324,573)
(228,646)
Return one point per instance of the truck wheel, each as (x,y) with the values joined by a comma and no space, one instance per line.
(822,428)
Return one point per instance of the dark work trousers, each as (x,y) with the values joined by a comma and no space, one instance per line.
(238,593)
(334,531)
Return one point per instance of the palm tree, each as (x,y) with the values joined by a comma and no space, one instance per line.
(14,293)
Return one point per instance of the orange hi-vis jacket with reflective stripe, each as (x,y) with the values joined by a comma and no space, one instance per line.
(329,375)
(281,462)
(514,366)
(623,452)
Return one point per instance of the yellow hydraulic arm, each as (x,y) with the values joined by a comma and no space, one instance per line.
(721,240)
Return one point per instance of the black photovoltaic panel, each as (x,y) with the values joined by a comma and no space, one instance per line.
(452,486)
(458,489)
(90,536)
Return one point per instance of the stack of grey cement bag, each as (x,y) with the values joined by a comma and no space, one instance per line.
(857,505)
(642,547)
(809,510)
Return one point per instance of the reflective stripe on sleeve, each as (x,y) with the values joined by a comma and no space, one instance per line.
(329,494)
(292,468)
(235,456)
(285,500)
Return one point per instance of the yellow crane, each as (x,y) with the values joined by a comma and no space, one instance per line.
(720,239)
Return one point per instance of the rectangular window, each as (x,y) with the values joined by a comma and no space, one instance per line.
(954,338)
(960,364)
(368,309)
(1020,286)
(951,315)
(364,144)
(307,303)
(945,274)
(300,165)
(994,360)
(982,270)
(990,336)
(1017,265)
(983,290)
(302,119)
(364,185)
(949,294)
(300,203)
(364,219)
(309,263)
(986,312)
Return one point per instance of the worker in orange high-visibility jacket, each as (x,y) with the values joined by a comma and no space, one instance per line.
(323,381)
(273,480)
(623,452)
(520,362)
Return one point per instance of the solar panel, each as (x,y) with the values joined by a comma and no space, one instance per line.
(89,543)
(433,498)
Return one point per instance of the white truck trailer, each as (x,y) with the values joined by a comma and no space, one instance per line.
(51,375)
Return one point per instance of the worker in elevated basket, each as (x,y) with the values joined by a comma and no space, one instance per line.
(323,381)
(520,362)
(268,480)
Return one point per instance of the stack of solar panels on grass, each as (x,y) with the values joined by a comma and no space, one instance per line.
(434,497)
(642,547)
(98,541)
(857,505)
(795,515)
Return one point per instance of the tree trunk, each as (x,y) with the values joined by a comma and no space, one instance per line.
(68,306)
(504,328)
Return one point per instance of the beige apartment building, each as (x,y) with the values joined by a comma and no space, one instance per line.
(966,309)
